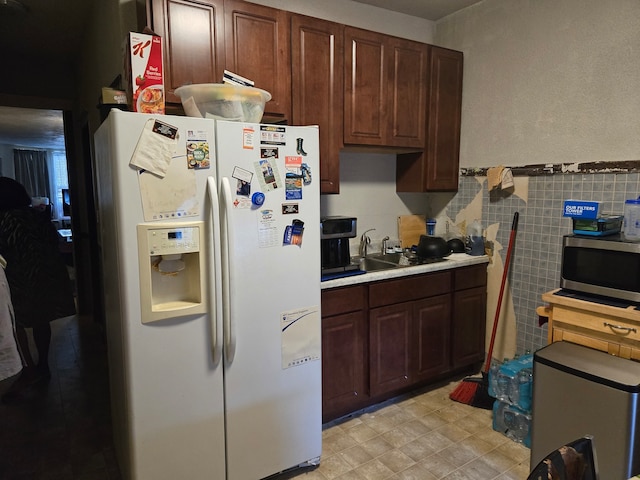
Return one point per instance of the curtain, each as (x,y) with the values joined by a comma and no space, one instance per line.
(31,170)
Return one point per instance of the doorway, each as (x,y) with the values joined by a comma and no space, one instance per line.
(60,129)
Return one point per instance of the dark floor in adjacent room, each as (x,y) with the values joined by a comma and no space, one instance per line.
(61,430)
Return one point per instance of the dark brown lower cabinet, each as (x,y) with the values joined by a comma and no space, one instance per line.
(345,374)
(409,342)
(389,339)
(343,361)
(431,334)
(384,338)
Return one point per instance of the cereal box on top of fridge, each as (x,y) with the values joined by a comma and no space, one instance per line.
(143,72)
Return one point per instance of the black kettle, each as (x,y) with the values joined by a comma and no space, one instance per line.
(433,247)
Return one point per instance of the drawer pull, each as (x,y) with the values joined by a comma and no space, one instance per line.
(620,327)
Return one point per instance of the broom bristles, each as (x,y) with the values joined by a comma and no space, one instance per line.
(474,392)
(465,391)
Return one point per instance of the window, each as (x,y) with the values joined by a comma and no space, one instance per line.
(60,181)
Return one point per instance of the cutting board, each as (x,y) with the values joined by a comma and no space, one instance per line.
(410,227)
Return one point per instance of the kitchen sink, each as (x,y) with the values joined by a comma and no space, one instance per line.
(386,261)
(373,265)
(387,257)
(377,262)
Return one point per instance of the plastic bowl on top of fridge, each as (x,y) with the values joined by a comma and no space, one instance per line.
(223,101)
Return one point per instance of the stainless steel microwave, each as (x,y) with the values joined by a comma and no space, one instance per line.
(605,266)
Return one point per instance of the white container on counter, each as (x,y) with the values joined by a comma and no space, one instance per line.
(631,225)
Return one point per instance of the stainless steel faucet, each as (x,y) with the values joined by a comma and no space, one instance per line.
(364,242)
(384,244)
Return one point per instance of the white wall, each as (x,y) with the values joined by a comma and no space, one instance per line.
(102,57)
(547,81)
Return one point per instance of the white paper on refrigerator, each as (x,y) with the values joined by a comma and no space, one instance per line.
(300,339)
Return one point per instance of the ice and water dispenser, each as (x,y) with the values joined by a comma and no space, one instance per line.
(172,270)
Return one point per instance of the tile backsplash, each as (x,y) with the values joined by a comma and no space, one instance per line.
(367,191)
(535,261)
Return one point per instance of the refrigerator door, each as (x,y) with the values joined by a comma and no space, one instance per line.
(166,389)
(272,281)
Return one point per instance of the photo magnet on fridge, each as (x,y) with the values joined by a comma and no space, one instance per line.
(290,208)
(293,233)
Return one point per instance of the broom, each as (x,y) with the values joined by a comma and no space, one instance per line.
(474,391)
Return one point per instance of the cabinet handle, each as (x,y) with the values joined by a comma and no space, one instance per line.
(620,327)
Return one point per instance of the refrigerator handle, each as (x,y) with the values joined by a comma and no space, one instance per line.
(215,267)
(227,241)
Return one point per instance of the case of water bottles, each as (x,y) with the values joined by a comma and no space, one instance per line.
(511,384)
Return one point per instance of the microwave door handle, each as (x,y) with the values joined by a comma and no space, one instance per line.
(215,264)
(226,240)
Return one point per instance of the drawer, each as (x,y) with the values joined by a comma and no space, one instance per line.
(343,300)
(470,277)
(583,338)
(605,326)
(407,289)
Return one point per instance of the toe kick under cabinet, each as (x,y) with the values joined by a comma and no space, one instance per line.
(384,338)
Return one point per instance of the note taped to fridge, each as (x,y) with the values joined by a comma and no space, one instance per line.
(300,336)
(156,144)
(173,196)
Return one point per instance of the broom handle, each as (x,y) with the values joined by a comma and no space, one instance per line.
(514,229)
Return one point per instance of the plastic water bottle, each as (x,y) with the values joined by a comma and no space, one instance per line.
(498,416)
(493,377)
(525,389)
(631,220)
(502,382)
(518,425)
(512,422)
(509,381)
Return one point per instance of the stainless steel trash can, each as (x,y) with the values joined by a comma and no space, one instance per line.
(579,391)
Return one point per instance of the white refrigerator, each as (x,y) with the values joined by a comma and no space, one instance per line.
(211,263)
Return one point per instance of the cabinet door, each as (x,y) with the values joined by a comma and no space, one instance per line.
(408,87)
(469,325)
(431,336)
(445,106)
(317,65)
(365,87)
(257,47)
(193,36)
(344,363)
(389,340)
(437,167)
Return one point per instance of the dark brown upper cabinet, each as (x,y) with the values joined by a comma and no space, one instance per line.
(257,47)
(193,34)
(317,65)
(437,167)
(384,90)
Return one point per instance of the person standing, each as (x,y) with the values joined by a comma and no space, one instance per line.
(10,360)
(39,282)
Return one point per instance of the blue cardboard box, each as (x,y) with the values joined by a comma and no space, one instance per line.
(581,209)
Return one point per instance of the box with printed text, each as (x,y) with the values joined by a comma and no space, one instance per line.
(144,73)
(581,209)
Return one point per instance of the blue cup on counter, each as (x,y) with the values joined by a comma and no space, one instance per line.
(431,226)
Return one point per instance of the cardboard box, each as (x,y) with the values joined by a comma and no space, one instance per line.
(144,73)
(112,96)
(581,209)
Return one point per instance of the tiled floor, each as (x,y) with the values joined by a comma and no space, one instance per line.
(422,436)
(62,430)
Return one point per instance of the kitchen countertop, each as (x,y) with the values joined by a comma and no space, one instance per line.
(455,260)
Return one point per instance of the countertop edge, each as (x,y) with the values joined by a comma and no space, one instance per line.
(455,260)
